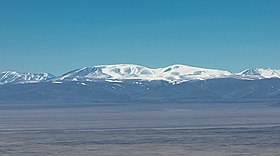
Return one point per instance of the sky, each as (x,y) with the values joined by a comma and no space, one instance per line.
(57,36)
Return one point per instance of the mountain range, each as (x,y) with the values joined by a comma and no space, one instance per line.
(127,83)
(174,74)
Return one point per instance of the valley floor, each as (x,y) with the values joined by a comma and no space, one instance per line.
(137,130)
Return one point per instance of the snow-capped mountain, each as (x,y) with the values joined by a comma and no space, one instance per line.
(17,77)
(126,83)
(259,73)
(173,74)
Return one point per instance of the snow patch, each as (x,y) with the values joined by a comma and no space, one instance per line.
(113,81)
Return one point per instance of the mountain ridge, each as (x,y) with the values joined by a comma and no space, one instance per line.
(174,74)
(19,77)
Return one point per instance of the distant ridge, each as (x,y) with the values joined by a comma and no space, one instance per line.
(131,84)
(174,74)
(18,77)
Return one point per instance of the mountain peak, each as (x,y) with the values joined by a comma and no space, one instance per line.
(260,73)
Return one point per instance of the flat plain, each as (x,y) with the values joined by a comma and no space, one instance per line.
(142,129)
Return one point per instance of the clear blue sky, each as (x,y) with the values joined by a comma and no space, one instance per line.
(60,35)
